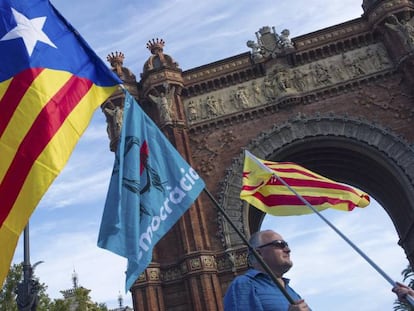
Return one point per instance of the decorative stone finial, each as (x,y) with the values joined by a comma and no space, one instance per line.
(158,59)
(116,60)
(155,45)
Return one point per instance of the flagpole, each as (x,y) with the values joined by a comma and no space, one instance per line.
(358,250)
(252,249)
(28,289)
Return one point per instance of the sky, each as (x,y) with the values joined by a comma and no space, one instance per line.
(327,272)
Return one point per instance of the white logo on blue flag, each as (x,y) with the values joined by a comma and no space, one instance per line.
(150,189)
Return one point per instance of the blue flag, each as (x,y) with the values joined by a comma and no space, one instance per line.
(150,189)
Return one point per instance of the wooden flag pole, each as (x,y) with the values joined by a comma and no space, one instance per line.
(251,249)
(359,251)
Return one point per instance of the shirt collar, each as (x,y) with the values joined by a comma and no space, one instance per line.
(254,273)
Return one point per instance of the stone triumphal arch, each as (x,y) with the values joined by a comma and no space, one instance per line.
(338,101)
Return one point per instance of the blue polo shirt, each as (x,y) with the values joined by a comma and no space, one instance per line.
(256,291)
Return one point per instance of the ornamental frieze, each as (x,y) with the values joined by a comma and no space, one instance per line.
(172,274)
(282,81)
(190,265)
(233,260)
(151,274)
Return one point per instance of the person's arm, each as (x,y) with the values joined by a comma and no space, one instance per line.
(402,291)
(299,305)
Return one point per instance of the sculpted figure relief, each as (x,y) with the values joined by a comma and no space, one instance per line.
(114,120)
(299,80)
(192,111)
(269,91)
(284,39)
(281,80)
(404,29)
(164,104)
(212,106)
(257,93)
(322,75)
(256,51)
(241,97)
(381,56)
(370,60)
(337,72)
(353,66)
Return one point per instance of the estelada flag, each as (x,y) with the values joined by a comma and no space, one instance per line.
(51,82)
(151,187)
(263,190)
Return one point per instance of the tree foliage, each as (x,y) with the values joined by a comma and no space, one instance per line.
(7,294)
(80,300)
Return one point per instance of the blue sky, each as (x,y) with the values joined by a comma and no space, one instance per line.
(64,228)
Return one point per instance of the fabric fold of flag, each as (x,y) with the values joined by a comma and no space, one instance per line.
(150,189)
(51,82)
(263,190)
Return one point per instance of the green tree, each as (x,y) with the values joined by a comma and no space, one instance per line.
(83,301)
(44,299)
(408,274)
(80,299)
(60,305)
(98,307)
(7,293)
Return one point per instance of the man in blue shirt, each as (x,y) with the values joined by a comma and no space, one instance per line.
(255,290)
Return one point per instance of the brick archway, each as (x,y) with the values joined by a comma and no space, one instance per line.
(347,150)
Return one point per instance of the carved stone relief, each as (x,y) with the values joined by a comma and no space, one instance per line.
(190,265)
(404,29)
(113,116)
(208,155)
(281,82)
(164,103)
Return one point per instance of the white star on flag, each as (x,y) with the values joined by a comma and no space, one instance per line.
(30,30)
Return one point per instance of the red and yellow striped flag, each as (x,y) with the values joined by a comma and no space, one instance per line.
(264,191)
(51,82)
